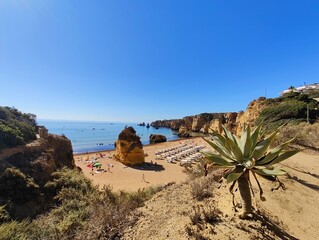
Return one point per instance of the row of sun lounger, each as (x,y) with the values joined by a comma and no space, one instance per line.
(184,153)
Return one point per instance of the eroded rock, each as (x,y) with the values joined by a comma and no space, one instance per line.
(128,148)
(157,138)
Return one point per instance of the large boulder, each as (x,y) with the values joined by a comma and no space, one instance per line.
(157,138)
(183,132)
(128,148)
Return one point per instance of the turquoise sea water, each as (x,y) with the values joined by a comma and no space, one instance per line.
(98,136)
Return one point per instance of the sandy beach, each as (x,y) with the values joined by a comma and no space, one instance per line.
(122,177)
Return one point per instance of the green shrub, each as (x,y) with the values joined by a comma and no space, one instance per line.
(16,128)
(68,178)
(290,108)
(17,187)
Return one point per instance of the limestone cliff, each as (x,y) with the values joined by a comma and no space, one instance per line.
(209,122)
(250,115)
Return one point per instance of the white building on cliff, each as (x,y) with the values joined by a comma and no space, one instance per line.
(302,89)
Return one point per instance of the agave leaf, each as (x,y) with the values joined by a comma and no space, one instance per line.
(233,176)
(243,139)
(220,149)
(222,139)
(262,147)
(284,156)
(273,153)
(247,143)
(230,138)
(254,136)
(217,159)
(269,156)
(269,172)
(228,134)
(238,155)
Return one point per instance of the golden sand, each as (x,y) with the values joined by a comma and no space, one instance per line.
(122,177)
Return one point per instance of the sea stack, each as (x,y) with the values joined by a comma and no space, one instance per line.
(128,148)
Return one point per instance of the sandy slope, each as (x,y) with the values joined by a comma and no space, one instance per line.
(287,214)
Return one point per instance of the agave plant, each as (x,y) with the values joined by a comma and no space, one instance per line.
(250,153)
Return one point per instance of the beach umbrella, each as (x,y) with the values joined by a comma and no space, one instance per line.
(97,165)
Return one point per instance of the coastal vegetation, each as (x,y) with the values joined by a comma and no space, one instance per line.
(291,108)
(79,211)
(16,128)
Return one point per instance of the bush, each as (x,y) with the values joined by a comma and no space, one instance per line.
(305,135)
(16,128)
(290,108)
(68,178)
(201,188)
(81,211)
(14,230)
(17,187)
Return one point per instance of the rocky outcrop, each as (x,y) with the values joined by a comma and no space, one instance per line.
(31,166)
(200,120)
(174,124)
(40,158)
(157,138)
(183,132)
(250,115)
(128,148)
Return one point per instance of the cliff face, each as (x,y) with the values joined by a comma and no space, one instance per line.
(250,115)
(31,167)
(209,122)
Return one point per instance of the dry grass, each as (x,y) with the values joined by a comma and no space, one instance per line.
(305,135)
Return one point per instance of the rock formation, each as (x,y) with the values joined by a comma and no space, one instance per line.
(200,120)
(128,147)
(183,132)
(157,138)
(209,122)
(250,115)
(174,124)
(32,166)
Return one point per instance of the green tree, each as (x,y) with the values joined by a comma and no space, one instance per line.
(249,154)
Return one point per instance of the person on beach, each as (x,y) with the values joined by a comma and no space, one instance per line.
(143,178)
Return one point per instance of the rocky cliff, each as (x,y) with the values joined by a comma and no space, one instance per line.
(250,115)
(25,170)
(208,122)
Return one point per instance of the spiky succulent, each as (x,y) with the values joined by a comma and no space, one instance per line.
(249,152)
(252,152)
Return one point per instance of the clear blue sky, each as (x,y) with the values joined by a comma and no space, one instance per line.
(145,60)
